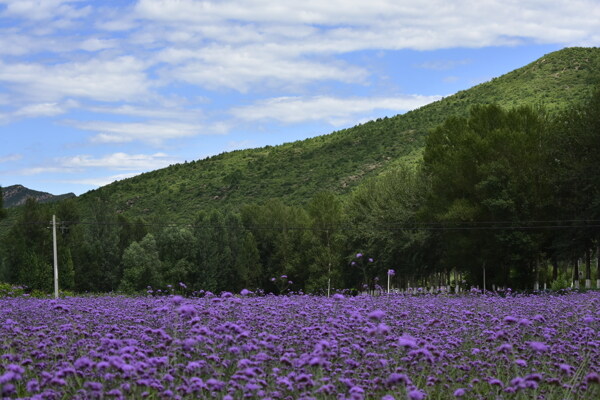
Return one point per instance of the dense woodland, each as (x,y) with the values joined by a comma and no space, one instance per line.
(512,192)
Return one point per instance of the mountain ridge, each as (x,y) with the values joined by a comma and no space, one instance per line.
(339,161)
(17,195)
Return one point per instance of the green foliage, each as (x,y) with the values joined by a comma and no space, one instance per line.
(406,190)
(2,210)
(142,266)
(383,213)
(98,267)
(489,168)
(326,214)
(9,290)
(177,250)
(560,283)
(338,162)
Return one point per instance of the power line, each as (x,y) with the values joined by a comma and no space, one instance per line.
(415,226)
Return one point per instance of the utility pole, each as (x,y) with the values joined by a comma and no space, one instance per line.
(484,277)
(55,257)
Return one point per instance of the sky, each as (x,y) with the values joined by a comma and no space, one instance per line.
(96,91)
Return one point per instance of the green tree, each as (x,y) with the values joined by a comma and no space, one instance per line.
(225,258)
(97,266)
(28,247)
(575,157)
(383,215)
(142,266)
(66,271)
(488,176)
(2,210)
(283,235)
(176,247)
(327,242)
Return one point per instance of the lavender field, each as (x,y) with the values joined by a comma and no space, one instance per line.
(302,347)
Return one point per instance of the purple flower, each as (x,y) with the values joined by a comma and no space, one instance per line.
(33,385)
(83,363)
(391,272)
(408,342)
(592,377)
(538,346)
(370,260)
(186,311)
(376,315)
(359,255)
(460,392)
(565,368)
(416,394)
(394,378)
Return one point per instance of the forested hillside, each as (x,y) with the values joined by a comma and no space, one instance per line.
(505,193)
(340,161)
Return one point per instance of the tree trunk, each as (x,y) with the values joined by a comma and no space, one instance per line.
(554,268)
(588,268)
(598,266)
(576,274)
(536,283)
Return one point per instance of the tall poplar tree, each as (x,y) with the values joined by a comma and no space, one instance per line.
(2,210)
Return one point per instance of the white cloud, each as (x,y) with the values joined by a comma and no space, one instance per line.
(165,112)
(100,181)
(95,44)
(443,65)
(43,109)
(39,10)
(11,158)
(393,24)
(240,70)
(43,170)
(119,161)
(333,110)
(118,79)
(152,132)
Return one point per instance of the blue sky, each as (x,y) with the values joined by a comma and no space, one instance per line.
(95,91)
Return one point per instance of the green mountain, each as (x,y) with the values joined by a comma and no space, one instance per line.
(16,195)
(339,161)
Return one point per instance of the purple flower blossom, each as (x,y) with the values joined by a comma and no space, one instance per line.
(416,394)
(376,315)
(538,346)
(297,346)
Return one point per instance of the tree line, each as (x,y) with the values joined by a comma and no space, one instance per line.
(511,196)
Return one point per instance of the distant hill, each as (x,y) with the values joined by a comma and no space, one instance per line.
(339,161)
(17,195)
